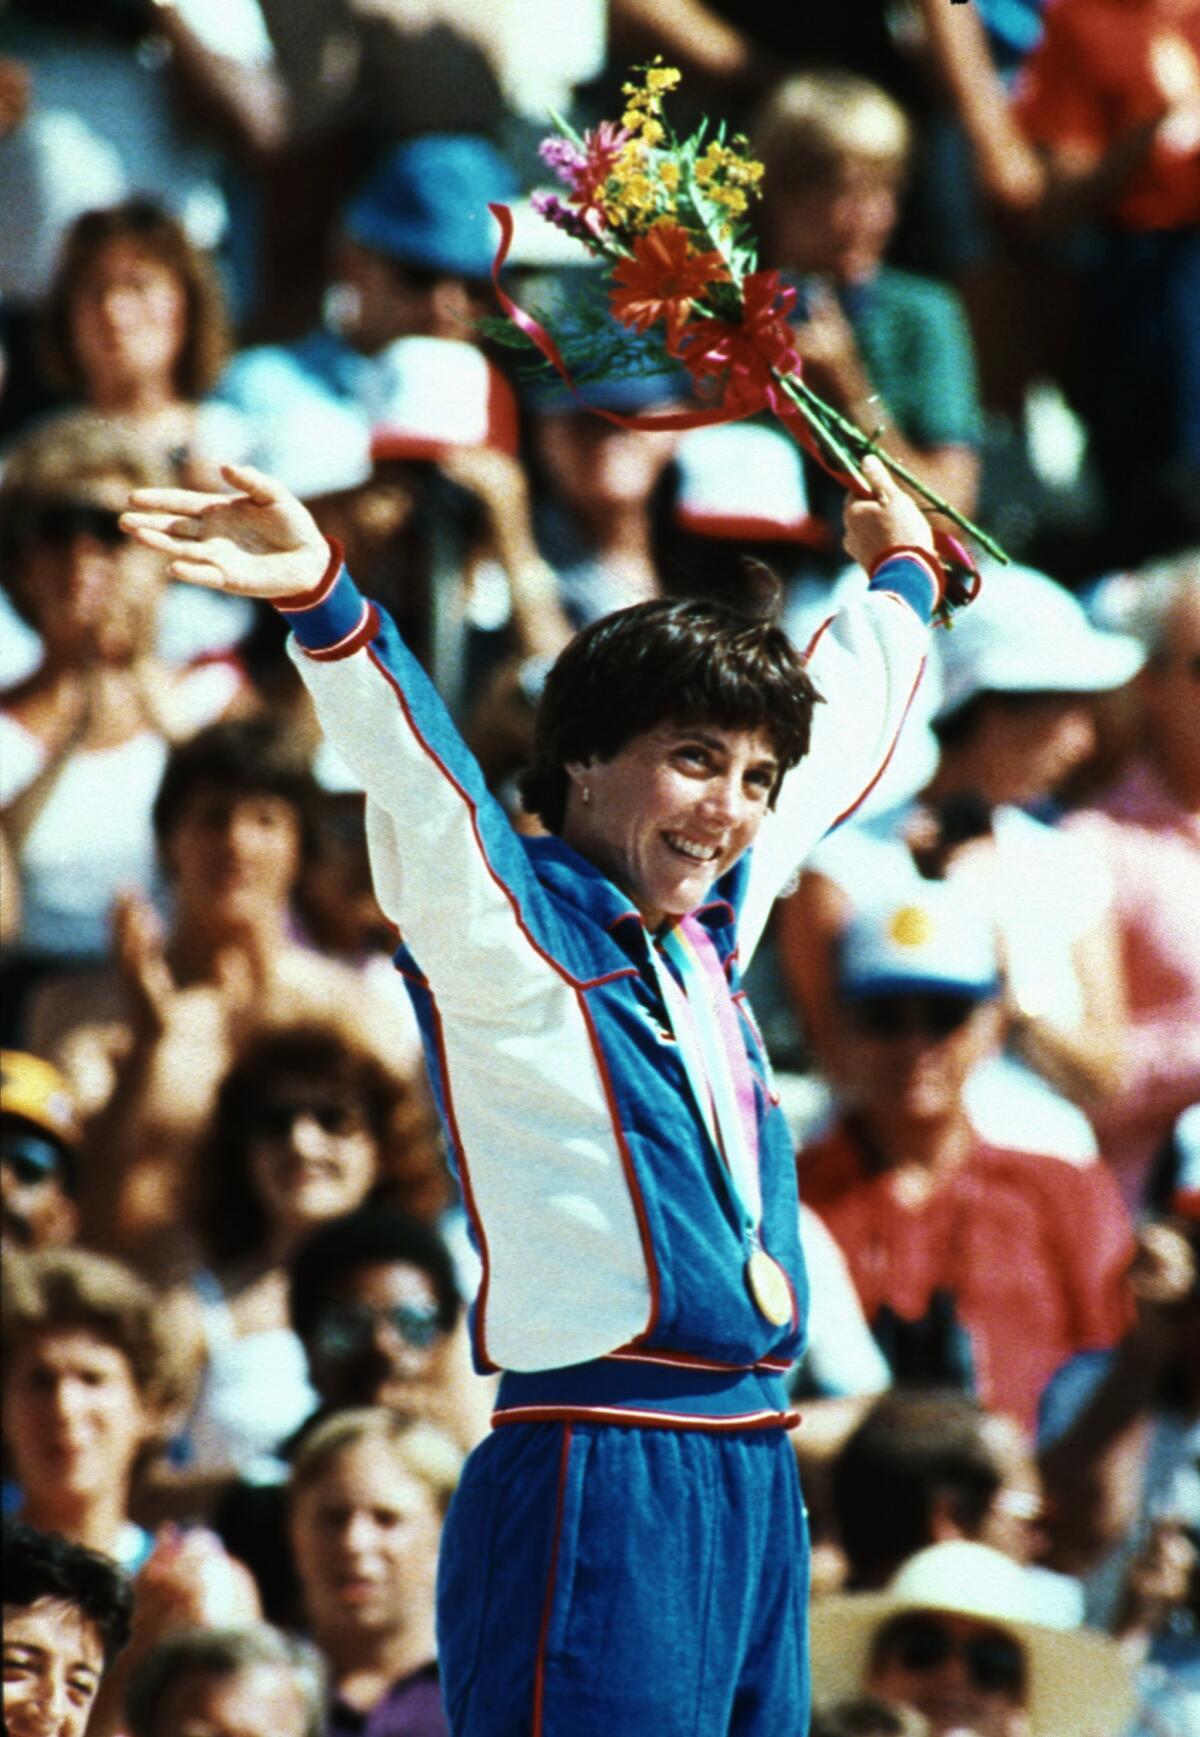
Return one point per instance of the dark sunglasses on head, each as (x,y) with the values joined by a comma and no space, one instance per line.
(994,1660)
(346,1329)
(930,1016)
(57,524)
(273,1120)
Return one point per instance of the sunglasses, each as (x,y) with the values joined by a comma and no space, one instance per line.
(58,524)
(275,1120)
(995,1661)
(931,1016)
(348,1329)
(30,1158)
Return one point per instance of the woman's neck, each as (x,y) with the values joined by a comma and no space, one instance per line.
(133,397)
(935,1146)
(198,943)
(365,1666)
(95,1521)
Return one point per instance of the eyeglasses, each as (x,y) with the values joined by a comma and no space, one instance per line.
(275,1120)
(931,1016)
(57,524)
(347,1329)
(995,1661)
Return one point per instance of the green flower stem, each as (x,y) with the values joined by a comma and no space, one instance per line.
(824,432)
(818,411)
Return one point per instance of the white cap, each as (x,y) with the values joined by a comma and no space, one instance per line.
(743,482)
(428,394)
(1026,634)
(933,939)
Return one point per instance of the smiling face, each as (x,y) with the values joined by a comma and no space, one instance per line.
(311,1152)
(365,1539)
(670,812)
(964,1676)
(53,1663)
(74,1420)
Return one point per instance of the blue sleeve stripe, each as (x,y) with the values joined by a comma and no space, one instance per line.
(331,619)
(910,577)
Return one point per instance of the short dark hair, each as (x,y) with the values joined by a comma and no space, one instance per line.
(913,1447)
(368,1237)
(681,661)
(220,1653)
(240,757)
(41,1565)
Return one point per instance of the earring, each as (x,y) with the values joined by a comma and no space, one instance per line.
(586,795)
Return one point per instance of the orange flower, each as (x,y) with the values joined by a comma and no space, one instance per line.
(663,279)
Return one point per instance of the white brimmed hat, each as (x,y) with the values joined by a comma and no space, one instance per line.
(933,940)
(432,393)
(1079,1682)
(1025,634)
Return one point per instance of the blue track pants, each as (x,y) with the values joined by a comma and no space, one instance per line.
(598,1580)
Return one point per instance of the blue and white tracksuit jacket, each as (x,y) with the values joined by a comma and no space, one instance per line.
(588,1177)
(613,1287)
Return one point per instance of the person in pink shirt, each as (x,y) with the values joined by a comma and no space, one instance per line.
(1147,828)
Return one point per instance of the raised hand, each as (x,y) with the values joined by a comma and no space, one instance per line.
(889,518)
(256,542)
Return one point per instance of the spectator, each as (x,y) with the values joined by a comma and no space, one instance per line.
(374,1301)
(413,259)
(595,506)
(926,1466)
(251,1682)
(308,1123)
(925,1212)
(1012,723)
(1111,97)
(369,1494)
(1146,831)
(147,1040)
(884,347)
(91,1381)
(83,740)
(957,1637)
(135,328)
(39,1142)
(868,1716)
(66,1617)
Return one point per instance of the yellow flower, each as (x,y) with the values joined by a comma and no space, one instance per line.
(654,132)
(668,174)
(660,78)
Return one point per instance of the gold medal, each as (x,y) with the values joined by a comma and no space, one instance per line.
(769,1287)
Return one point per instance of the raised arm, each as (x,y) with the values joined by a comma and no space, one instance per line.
(449,871)
(866,661)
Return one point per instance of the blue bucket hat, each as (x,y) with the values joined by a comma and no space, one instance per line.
(426,204)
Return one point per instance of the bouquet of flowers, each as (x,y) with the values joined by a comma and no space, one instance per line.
(668,217)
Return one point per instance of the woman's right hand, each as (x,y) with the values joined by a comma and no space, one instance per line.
(256,542)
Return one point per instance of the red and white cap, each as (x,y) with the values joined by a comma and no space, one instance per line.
(433,393)
(744,483)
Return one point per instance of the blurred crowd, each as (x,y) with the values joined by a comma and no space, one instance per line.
(236,1266)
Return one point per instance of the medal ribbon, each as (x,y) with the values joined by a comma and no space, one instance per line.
(714,1056)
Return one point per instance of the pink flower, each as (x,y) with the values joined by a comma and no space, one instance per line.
(584,227)
(564,158)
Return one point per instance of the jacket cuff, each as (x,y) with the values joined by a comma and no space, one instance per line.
(333,619)
(912,574)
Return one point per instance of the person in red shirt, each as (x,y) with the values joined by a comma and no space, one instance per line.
(976,1267)
(1111,100)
